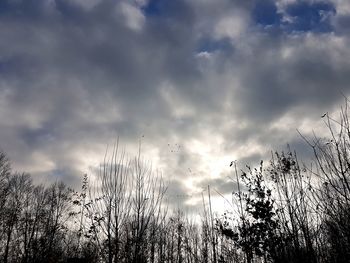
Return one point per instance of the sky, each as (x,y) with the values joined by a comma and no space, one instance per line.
(196,83)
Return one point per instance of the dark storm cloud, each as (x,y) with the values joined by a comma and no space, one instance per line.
(220,79)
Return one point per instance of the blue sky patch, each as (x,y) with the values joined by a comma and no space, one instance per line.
(178,10)
(303,16)
(153,8)
(310,16)
(265,13)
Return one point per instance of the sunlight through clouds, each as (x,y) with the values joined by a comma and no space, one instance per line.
(198,83)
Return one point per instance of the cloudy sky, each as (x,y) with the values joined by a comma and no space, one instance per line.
(198,82)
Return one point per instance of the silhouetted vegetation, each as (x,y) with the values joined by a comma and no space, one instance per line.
(282,212)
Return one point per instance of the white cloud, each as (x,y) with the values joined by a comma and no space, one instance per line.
(141,3)
(86,4)
(177,105)
(70,86)
(342,7)
(232,26)
(133,16)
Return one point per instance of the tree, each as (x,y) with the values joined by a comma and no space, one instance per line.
(298,222)
(332,157)
(257,231)
(126,206)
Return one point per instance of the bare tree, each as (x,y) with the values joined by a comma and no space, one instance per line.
(19,187)
(125,206)
(332,194)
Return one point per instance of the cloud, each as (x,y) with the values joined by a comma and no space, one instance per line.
(133,15)
(199,83)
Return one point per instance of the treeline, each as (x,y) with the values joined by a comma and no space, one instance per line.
(33,219)
(284,211)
